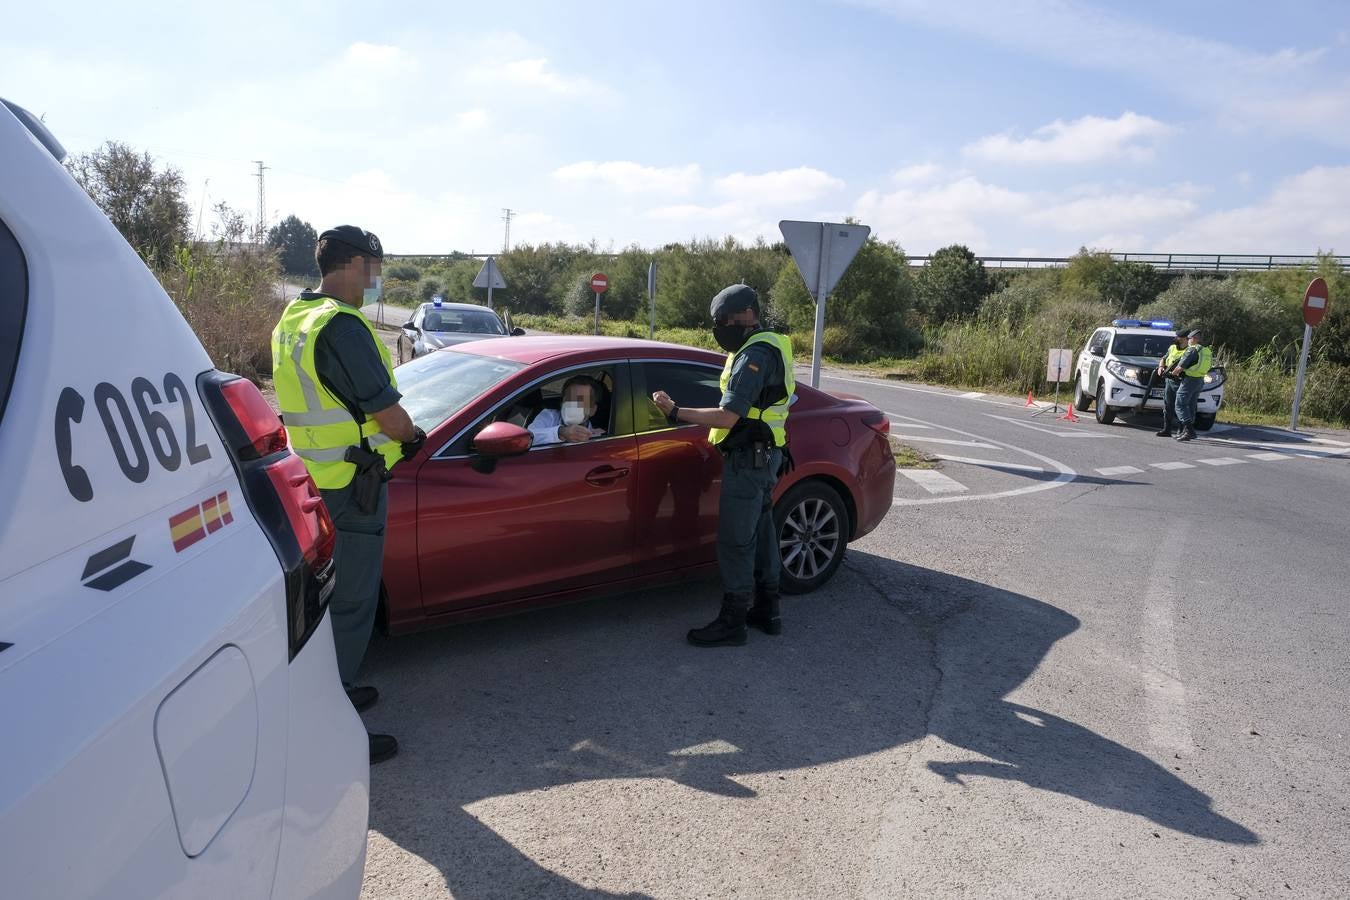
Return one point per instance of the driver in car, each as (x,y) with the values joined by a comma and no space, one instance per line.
(571,423)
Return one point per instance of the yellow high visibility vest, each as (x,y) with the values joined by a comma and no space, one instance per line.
(319,426)
(1202,365)
(774,416)
(1174,354)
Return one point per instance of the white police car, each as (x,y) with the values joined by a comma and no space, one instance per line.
(1115,366)
(171,719)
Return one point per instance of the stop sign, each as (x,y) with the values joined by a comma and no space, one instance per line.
(599,282)
(1315,300)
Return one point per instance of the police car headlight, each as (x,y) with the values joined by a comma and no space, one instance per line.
(1126,373)
(1214,378)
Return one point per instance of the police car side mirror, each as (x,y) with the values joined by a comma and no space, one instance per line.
(409,325)
(517,332)
(1099,351)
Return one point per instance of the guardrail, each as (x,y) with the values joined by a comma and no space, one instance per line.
(1167,262)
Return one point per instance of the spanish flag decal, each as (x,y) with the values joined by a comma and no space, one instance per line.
(208,517)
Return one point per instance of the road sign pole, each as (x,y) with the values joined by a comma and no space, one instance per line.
(818,345)
(489,296)
(651,296)
(597,312)
(1298,382)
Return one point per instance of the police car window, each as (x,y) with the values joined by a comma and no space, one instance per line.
(463,322)
(1099,341)
(1141,344)
(688,384)
(438,385)
(13,307)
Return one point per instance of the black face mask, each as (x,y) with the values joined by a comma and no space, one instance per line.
(730,337)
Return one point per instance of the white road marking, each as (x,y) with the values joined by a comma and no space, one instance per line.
(1164,692)
(1300,449)
(1057,432)
(1269,457)
(1120,470)
(934,482)
(972,395)
(989,462)
(1169,466)
(1066,475)
(948,441)
(906,424)
(1221,461)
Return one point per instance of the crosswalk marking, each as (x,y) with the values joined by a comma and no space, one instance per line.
(1221,461)
(1120,470)
(1169,466)
(971,395)
(1269,457)
(933,482)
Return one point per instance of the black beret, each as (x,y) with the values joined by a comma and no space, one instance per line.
(732,300)
(357,238)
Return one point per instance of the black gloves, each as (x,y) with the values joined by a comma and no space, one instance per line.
(410,448)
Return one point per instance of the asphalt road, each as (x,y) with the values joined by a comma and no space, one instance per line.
(1080,661)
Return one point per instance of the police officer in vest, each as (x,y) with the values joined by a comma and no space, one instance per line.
(749,428)
(340,403)
(1165,367)
(1193,366)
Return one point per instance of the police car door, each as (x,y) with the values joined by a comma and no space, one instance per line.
(143,640)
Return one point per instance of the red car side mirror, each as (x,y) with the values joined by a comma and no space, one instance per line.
(502,439)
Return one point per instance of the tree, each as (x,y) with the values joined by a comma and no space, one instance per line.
(294,240)
(952,285)
(144,203)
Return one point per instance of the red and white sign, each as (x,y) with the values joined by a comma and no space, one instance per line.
(1315,302)
(599,282)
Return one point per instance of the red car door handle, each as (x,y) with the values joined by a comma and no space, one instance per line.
(605,475)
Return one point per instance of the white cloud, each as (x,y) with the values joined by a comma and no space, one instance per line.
(1303,213)
(362,53)
(693,212)
(632,178)
(957,211)
(1114,211)
(1089,139)
(784,187)
(916,174)
(1240,88)
(536,74)
(472,119)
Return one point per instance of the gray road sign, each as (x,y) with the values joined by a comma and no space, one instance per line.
(488,277)
(822,251)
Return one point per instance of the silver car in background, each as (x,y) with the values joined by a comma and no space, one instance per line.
(439,324)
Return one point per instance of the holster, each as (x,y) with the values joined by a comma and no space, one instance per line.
(371,474)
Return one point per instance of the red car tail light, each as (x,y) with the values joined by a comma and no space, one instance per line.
(878,422)
(281,495)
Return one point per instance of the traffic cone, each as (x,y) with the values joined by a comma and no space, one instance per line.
(1068,414)
(1031,401)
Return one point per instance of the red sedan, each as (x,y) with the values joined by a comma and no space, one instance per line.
(481,523)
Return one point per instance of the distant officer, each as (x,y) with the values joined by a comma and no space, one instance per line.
(340,404)
(1193,366)
(749,427)
(1165,366)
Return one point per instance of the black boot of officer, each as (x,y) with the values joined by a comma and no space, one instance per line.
(765,613)
(728,629)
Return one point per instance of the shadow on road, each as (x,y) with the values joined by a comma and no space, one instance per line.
(609,690)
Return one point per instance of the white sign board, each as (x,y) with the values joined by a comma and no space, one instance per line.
(1057,368)
(488,276)
(812,242)
(822,251)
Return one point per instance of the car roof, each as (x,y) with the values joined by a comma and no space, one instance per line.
(1163,331)
(537,348)
(456,306)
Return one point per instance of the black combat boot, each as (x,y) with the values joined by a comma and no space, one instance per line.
(765,614)
(1188,434)
(728,629)
(1165,431)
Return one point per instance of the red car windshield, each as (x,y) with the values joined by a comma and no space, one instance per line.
(440,384)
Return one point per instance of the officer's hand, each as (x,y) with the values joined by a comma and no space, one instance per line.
(663,402)
(410,448)
(574,434)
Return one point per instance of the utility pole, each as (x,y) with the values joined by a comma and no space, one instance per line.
(262,202)
(507,214)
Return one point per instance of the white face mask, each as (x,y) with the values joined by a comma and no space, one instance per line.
(573,413)
(373,294)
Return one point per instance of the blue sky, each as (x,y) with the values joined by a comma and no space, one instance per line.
(1016,127)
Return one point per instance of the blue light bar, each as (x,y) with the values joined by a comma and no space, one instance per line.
(1161,323)
(1127,323)
(437,301)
